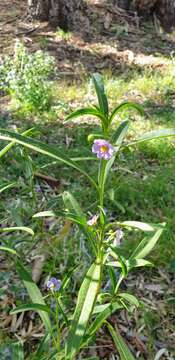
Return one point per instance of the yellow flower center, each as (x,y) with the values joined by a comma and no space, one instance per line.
(103,148)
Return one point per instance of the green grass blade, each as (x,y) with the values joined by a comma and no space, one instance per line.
(44,149)
(100,91)
(28,307)
(126,106)
(5,187)
(146,245)
(5,248)
(85,303)
(18,228)
(122,348)
(34,293)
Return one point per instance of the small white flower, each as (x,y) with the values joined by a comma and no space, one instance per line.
(93,220)
(118,237)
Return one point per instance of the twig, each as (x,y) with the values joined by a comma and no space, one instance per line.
(28,31)
(49,179)
(11,20)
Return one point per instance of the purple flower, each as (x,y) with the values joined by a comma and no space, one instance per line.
(103,149)
(93,220)
(53,284)
(118,237)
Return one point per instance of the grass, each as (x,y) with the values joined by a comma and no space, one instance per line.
(64,35)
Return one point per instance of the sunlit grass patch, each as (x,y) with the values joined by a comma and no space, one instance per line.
(64,35)
(145,84)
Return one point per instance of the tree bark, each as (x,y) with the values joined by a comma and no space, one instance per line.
(39,9)
(163,9)
(59,12)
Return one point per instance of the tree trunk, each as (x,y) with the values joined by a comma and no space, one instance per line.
(163,9)
(59,12)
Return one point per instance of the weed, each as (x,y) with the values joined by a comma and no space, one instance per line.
(26,78)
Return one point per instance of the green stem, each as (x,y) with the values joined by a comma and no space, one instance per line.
(101,184)
(57,324)
(119,282)
(62,311)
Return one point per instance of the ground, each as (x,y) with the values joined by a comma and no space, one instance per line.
(137,62)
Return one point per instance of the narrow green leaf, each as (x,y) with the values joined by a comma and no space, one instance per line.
(18,228)
(64,214)
(17,351)
(28,307)
(100,91)
(121,262)
(137,263)
(171,300)
(99,308)
(126,106)
(43,345)
(85,303)
(122,348)
(48,213)
(67,278)
(9,146)
(106,311)
(114,264)
(34,293)
(117,140)
(5,187)
(153,135)
(108,166)
(130,298)
(113,279)
(78,217)
(146,245)
(120,134)
(85,111)
(138,225)
(44,149)
(72,204)
(5,248)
